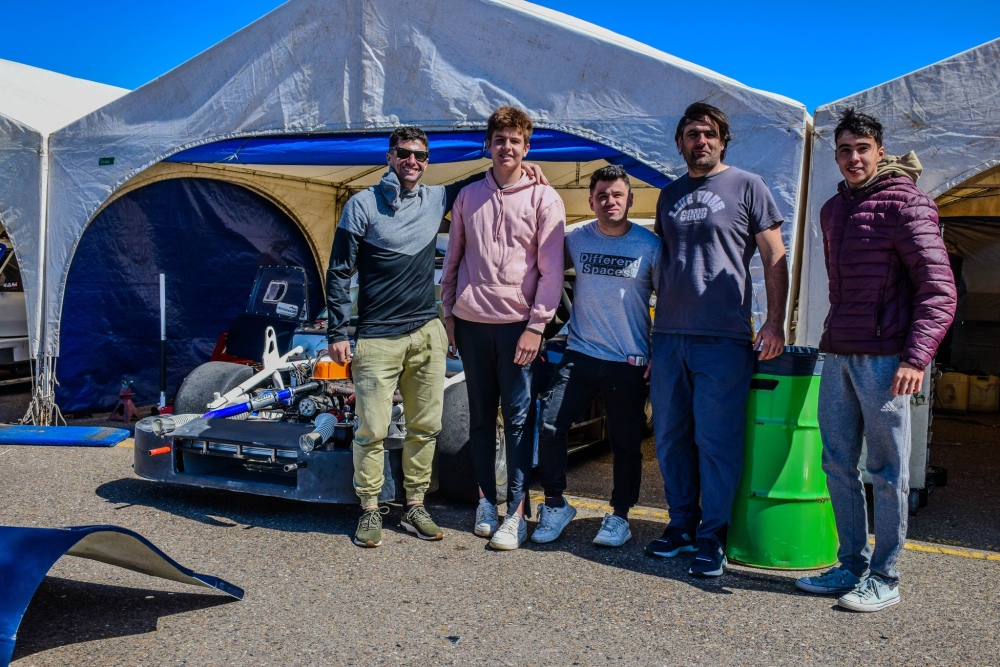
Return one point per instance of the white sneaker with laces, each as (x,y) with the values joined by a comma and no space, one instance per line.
(551,522)
(872,594)
(511,534)
(486,519)
(614,532)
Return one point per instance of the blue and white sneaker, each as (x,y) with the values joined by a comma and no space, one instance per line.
(836,580)
(614,532)
(487,521)
(673,542)
(872,594)
(552,521)
(711,559)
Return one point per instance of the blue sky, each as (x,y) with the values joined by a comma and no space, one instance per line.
(813,52)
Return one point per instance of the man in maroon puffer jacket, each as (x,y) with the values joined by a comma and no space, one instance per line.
(892,299)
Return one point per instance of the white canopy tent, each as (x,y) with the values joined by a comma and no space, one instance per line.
(33,104)
(330,66)
(949,114)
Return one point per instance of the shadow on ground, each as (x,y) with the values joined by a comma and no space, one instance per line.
(576,542)
(241,511)
(65,612)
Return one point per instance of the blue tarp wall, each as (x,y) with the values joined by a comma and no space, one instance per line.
(209,238)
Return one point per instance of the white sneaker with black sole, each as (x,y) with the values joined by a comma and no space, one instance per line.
(614,532)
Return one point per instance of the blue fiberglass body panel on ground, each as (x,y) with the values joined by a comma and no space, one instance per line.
(370,148)
(26,554)
(209,238)
(61,436)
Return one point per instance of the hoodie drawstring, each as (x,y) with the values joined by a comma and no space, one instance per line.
(499,219)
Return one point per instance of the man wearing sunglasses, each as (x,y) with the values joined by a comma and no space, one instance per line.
(388,234)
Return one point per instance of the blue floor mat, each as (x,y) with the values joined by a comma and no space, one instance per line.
(62,436)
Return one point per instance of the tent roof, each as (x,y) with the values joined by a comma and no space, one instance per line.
(45,100)
(948,113)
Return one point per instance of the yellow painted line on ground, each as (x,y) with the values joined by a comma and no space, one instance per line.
(663,515)
(128,443)
(951,551)
(601,506)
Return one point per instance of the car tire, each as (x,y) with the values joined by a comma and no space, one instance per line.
(200,386)
(456,476)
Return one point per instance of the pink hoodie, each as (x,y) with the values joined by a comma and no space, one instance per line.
(505,253)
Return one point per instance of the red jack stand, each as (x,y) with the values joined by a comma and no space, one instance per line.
(125,409)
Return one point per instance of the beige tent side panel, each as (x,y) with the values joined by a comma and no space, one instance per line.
(312,205)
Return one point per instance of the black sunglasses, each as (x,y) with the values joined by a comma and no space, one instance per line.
(405,153)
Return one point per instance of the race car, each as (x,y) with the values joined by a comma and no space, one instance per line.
(272,414)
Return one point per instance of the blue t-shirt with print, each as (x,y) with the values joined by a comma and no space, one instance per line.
(708,226)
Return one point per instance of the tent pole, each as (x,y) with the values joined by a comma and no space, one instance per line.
(42,410)
(163,342)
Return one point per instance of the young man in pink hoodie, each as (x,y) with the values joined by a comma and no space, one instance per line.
(502,281)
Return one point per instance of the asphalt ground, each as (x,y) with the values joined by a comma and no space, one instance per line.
(313,598)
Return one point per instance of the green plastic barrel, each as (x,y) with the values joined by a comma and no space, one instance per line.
(782,517)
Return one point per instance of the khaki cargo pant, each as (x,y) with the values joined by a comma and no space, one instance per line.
(416,362)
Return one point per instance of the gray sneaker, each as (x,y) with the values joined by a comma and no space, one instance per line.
(551,522)
(418,521)
(614,532)
(486,519)
(872,594)
(836,580)
(369,533)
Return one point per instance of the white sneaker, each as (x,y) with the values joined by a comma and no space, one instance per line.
(486,519)
(614,532)
(511,534)
(552,521)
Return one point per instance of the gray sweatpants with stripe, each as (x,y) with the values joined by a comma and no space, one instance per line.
(855,402)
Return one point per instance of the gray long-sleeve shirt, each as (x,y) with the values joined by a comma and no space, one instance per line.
(389,235)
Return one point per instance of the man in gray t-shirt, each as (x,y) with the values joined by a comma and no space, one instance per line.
(617,266)
(711,221)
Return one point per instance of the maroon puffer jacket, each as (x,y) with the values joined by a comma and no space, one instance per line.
(891,286)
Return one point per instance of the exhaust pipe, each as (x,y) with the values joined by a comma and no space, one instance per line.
(322,431)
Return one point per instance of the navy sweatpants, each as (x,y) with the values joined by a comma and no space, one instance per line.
(699,388)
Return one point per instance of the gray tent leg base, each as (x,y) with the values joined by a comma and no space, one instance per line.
(27,554)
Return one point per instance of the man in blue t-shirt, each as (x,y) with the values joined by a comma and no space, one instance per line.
(607,353)
(711,220)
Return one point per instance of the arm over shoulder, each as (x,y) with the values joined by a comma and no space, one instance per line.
(551,256)
(452,258)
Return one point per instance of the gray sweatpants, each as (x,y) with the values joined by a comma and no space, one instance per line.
(855,401)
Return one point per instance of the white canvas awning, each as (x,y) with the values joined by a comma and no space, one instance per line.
(949,114)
